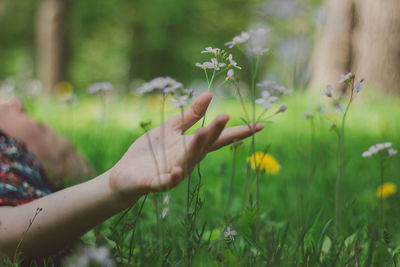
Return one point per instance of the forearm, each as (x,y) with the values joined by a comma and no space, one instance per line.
(65,215)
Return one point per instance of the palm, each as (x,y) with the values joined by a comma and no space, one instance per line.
(160,159)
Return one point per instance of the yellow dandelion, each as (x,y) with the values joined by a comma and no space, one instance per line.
(264,162)
(386,190)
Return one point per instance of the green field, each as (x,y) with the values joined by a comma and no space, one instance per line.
(297,225)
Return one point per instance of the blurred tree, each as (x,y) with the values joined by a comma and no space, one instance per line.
(361,36)
(51,41)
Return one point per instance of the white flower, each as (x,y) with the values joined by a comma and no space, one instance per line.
(239,39)
(230,234)
(267,84)
(376,149)
(233,63)
(100,87)
(273,86)
(258,50)
(282,108)
(266,99)
(164,212)
(307,114)
(180,102)
(205,65)
(216,64)
(211,50)
(392,152)
(328,91)
(229,74)
(358,86)
(166,199)
(160,85)
(346,77)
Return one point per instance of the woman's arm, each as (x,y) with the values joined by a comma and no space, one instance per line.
(71,212)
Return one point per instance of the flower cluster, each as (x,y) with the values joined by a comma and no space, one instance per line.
(168,86)
(270,94)
(264,162)
(375,149)
(348,79)
(255,40)
(220,60)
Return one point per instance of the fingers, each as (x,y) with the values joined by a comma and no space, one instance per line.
(215,129)
(235,133)
(192,114)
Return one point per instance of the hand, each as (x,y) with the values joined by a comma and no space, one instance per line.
(136,172)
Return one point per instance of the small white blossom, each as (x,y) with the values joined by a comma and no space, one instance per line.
(273,86)
(328,90)
(376,149)
(346,77)
(258,50)
(180,102)
(205,65)
(392,152)
(164,212)
(358,86)
(239,39)
(216,64)
(211,50)
(229,74)
(230,234)
(233,63)
(307,114)
(100,87)
(166,199)
(266,99)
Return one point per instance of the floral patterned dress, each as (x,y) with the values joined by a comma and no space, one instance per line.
(22,179)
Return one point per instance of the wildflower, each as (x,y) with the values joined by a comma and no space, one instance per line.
(282,108)
(239,39)
(100,87)
(216,64)
(233,63)
(376,149)
(258,50)
(264,162)
(358,86)
(386,190)
(229,74)
(392,152)
(273,86)
(328,91)
(163,85)
(205,65)
(164,212)
(266,99)
(211,50)
(346,77)
(166,199)
(307,114)
(180,102)
(230,234)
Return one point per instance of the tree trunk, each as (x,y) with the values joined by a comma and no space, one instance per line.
(361,36)
(376,44)
(51,42)
(332,53)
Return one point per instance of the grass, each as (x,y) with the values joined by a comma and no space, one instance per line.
(297,205)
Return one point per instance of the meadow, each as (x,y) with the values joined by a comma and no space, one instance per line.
(297,224)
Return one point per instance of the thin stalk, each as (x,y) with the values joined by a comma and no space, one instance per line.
(339,178)
(241,101)
(381,196)
(160,233)
(232,179)
(134,228)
